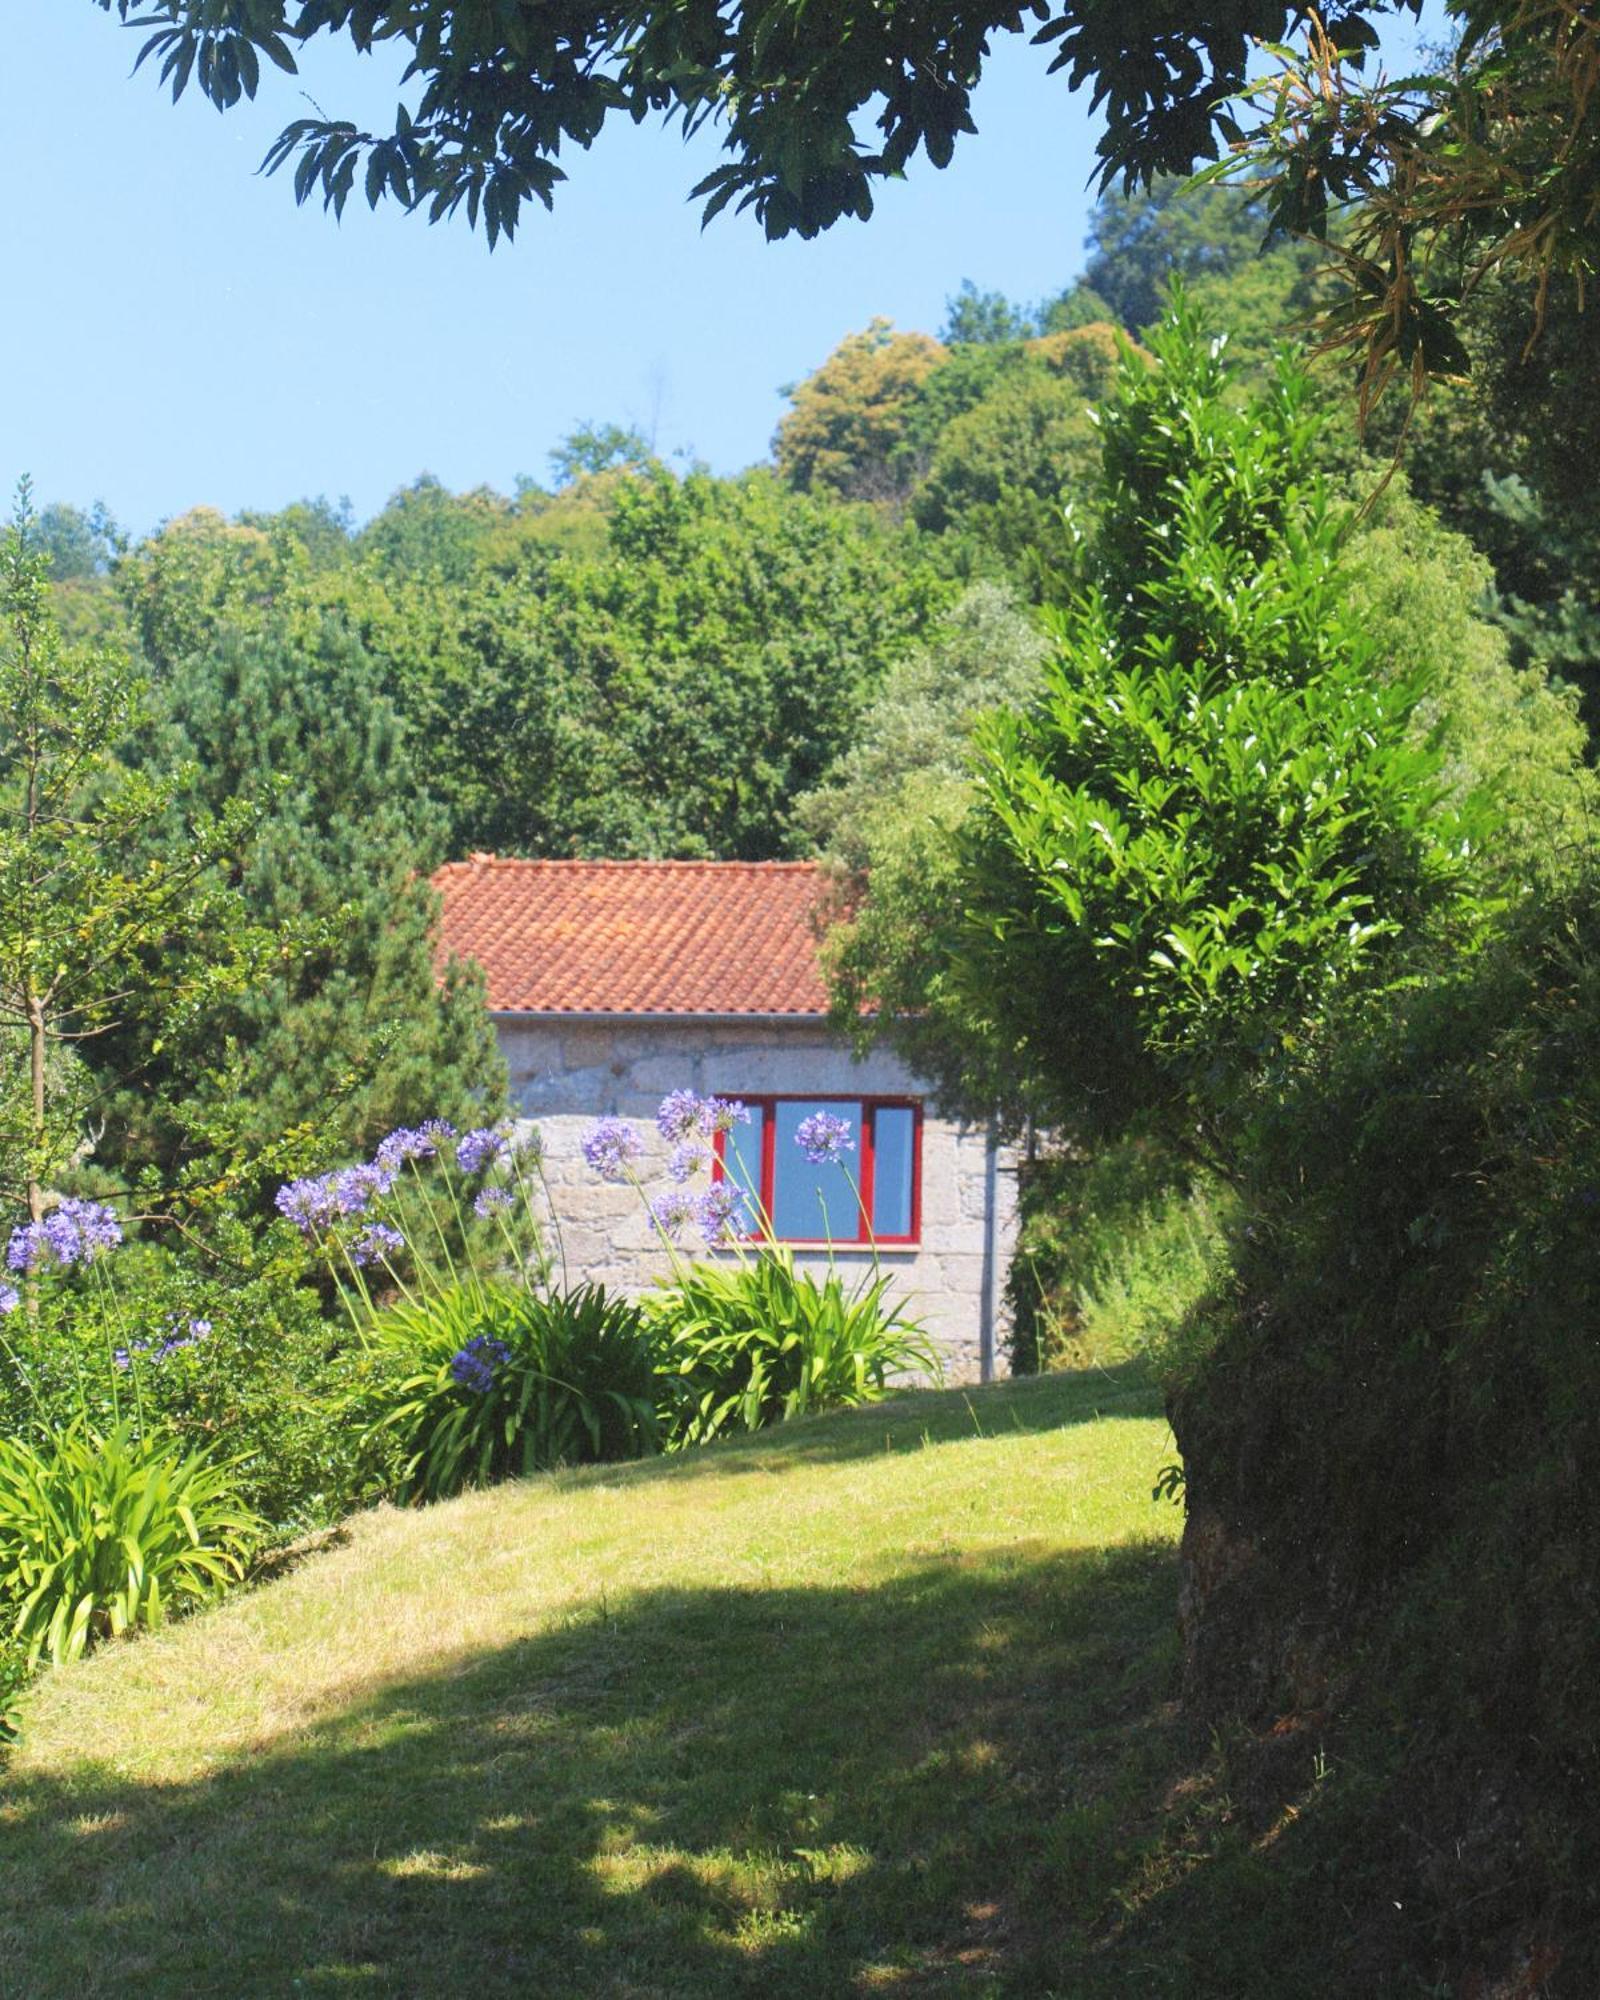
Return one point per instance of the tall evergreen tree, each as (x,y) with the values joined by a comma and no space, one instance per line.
(1216,812)
(353,1031)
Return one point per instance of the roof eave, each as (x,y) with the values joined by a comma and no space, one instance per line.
(620,1017)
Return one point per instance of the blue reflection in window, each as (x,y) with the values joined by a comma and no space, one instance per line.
(893,1131)
(741,1164)
(811,1200)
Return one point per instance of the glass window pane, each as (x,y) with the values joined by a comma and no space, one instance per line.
(812,1198)
(893,1130)
(741,1164)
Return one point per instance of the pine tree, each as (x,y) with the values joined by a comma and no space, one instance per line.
(353,1031)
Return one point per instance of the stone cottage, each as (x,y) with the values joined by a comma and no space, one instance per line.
(612,983)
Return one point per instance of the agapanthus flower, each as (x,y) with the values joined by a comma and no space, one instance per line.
(76,1232)
(679,1116)
(10,1298)
(611,1146)
(473,1366)
(439,1130)
(675,1211)
(376,1242)
(717,1210)
(192,1335)
(687,1159)
(481,1148)
(406,1142)
(123,1359)
(824,1138)
(356,1188)
(29,1247)
(308,1203)
(97,1226)
(684,1116)
(492,1201)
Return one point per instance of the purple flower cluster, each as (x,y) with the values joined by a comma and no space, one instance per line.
(473,1366)
(479,1149)
(611,1146)
(376,1244)
(492,1201)
(686,1160)
(675,1211)
(356,1188)
(679,1116)
(824,1138)
(307,1203)
(718,1210)
(691,1124)
(10,1298)
(193,1333)
(317,1201)
(406,1142)
(75,1232)
(684,1116)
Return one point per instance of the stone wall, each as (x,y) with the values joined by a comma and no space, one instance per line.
(568,1071)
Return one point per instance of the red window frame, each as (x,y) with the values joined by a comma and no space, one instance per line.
(767,1104)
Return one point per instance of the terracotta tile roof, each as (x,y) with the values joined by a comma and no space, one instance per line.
(637,937)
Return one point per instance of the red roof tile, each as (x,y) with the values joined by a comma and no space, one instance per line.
(637,937)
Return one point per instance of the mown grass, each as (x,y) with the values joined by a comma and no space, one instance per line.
(877,1703)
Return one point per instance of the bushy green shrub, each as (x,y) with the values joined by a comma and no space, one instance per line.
(1217,814)
(482,1381)
(1115,1248)
(101,1534)
(753,1343)
(210,1352)
(1394,1407)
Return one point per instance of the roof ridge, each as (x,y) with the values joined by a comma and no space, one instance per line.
(576,862)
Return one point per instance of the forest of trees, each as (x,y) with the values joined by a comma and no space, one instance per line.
(632,660)
(1202,780)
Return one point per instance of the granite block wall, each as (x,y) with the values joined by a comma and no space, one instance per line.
(568,1071)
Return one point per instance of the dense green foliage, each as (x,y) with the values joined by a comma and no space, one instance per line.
(1142,737)
(81,905)
(564,1378)
(1507,458)
(636,665)
(1116,1247)
(1392,1408)
(103,1535)
(266,1377)
(356,1031)
(1216,812)
(757,1342)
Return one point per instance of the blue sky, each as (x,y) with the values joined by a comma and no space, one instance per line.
(178,332)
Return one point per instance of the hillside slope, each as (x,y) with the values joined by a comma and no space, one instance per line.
(880,1703)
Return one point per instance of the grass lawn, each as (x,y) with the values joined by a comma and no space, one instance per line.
(880,1703)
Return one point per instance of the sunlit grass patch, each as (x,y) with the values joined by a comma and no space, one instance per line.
(880,1702)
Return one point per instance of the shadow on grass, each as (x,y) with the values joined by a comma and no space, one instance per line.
(907,1422)
(948,1782)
